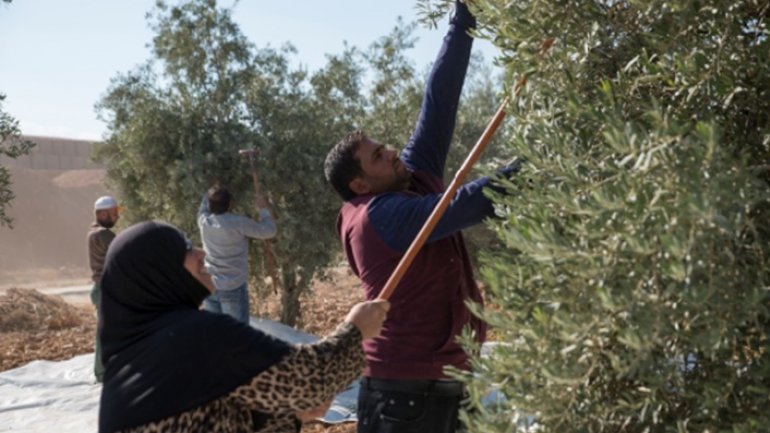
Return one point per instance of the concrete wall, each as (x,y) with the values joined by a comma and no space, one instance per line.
(52,153)
(55,187)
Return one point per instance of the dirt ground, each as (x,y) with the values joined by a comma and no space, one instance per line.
(37,326)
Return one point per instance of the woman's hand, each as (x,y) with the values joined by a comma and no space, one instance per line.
(368,317)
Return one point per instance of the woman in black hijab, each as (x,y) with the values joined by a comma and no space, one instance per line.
(171,367)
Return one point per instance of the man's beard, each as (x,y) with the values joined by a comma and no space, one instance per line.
(403,179)
(403,182)
(108,224)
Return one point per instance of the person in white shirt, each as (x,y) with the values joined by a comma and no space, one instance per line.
(225,237)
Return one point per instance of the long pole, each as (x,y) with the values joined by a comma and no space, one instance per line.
(438,211)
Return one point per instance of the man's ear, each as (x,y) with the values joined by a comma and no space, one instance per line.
(360,186)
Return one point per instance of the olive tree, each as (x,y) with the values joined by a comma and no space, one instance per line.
(631,295)
(177,122)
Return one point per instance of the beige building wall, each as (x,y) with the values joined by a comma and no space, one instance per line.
(53,153)
(55,188)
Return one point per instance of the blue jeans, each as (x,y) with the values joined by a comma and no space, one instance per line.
(409,406)
(234,303)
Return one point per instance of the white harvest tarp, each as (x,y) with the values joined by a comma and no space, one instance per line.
(63,397)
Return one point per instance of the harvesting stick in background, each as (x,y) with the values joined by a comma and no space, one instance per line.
(449,194)
(267,244)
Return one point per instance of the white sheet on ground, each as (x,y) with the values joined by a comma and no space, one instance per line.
(63,397)
(45,396)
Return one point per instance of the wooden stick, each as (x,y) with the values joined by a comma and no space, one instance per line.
(449,194)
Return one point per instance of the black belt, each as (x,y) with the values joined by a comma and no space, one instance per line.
(446,388)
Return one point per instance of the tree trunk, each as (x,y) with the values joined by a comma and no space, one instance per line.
(290,311)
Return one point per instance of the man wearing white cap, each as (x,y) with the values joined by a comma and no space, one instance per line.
(99,238)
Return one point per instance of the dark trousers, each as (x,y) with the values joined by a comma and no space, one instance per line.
(409,406)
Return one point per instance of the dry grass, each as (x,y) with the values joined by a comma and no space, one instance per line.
(23,309)
(35,326)
(323,306)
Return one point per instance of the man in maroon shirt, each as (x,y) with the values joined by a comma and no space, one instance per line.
(388,197)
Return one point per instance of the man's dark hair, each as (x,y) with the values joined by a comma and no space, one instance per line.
(341,165)
(219,199)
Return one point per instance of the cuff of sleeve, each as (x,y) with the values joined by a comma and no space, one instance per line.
(349,328)
(264,213)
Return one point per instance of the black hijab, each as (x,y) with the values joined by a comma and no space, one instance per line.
(163,355)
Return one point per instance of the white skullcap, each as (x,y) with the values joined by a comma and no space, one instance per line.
(105,202)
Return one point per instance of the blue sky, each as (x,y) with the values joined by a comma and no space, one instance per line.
(57,56)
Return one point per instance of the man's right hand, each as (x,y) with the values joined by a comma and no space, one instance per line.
(368,317)
(260,201)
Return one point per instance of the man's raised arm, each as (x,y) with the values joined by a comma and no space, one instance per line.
(428,147)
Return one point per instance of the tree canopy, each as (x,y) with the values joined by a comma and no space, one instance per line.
(177,122)
(631,294)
